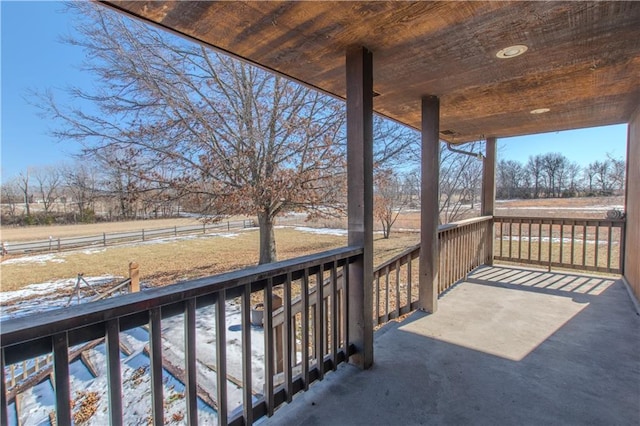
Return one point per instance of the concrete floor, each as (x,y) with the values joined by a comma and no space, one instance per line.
(510,346)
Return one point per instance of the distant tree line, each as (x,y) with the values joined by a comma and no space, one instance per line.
(553,175)
(84,192)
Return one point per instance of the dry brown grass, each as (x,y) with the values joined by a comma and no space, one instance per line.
(169,262)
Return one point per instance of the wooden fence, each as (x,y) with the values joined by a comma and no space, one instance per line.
(585,244)
(110,238)
(463,246)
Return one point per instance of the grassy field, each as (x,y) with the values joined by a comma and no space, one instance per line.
(582,207)
(170,261)
(167,262)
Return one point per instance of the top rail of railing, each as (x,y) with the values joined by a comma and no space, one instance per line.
(77,322)
(558,220)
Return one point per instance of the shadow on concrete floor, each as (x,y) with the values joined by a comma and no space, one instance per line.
(508,346)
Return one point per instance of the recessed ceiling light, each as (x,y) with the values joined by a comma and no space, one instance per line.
(540,110)
(512,51)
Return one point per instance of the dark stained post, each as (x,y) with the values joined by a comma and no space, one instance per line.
(489,192)
(360,201)
(430,201)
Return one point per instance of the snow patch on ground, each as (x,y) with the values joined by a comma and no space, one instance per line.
(322,231)
(47,296)
(37,402)
(556,240)
(40,259)
(584,208)
(43,259)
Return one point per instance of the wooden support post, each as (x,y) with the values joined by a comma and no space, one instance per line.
(359,76)
(430,198)
(489,193)
(134,275)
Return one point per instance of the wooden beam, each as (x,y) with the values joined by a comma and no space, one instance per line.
(359,66)
(489,191)
(429,210)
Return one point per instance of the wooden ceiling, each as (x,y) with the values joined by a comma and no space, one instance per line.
(582,62)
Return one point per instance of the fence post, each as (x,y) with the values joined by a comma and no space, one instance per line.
(58,244)
(134,275)
(175,231)
(104,239)
(142,234)
(204,228)
(228,226)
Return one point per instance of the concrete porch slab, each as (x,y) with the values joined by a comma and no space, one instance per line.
(508,346)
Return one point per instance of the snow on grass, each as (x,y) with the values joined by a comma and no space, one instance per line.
(47,296)
(38,401)
(322,231)
(60,257)
(582,208)
(40,259)
(556,240)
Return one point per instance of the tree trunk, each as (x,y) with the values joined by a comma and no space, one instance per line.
(267,238)
(26,204)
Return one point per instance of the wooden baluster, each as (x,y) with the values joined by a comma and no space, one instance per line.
(304,323)
(584,244)
(191,387)
(269,347)
(335,327)
(221,357)
(288,338)
(114,371)
(155,349)
(61,378)
(247,383)
(320,323)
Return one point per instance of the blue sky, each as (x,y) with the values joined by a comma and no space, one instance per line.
(34,58)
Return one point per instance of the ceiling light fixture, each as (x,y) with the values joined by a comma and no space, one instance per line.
(511,51)
(540,110)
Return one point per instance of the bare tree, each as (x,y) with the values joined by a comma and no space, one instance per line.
(81,184)
(510,180)
(240,140)
(460,177)
(389,199)
(617,172)
(534,168)
(47,180)
(10,197)
(589,173)
(552,165)
(23,185)
(601,176)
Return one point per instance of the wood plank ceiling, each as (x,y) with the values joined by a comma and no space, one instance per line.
(582,62)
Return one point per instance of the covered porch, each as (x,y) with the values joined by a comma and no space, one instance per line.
(508,345)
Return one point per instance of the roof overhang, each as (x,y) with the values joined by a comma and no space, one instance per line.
(582,61)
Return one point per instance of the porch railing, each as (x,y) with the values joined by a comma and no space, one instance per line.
(463,246)
(315,336)
(585,244)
